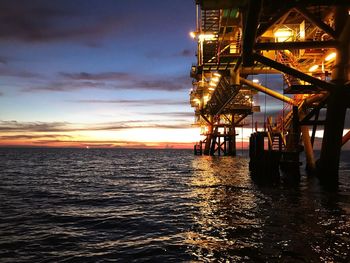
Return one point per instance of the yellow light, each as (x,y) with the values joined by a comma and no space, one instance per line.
(207,37)
(211,88)
(313,68)
(215,79)
(217,74)
(246,96)
(212,84)
(192,34)
(283,33)
(330,56)
(206,98)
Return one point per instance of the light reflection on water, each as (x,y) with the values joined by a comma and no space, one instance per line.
(166,206)
(244,222)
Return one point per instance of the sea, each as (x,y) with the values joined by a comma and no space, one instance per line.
(129,205)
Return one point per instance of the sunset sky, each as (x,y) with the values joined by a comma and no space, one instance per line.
(102,73)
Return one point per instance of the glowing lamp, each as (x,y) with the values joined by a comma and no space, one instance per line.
(313,68)
(283,33)
(193,34)
(212,84)
(255,80)
(215,79)
(206,37)
(217,75)
(330,56)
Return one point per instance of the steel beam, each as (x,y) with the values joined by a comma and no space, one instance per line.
(296,45)
(264,27)
(249,31)
(268,91)
(291,71)
(337,104)
(319,23)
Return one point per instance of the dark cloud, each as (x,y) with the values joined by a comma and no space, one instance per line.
(150,102)
(11,72)
(66,86)
(156,54)
(32,136)
(14,126)
(45,21)
(3,60)
(112,81)
(173,114)
(96,76)
(186,53)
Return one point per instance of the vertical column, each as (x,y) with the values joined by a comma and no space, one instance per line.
(328,163)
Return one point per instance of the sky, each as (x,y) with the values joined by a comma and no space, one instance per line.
(89,73)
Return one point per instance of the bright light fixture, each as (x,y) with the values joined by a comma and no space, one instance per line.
(330,56)
(212,84)
(255,80)
(246,96)
(210,88)
(193,34)
(283,33)
(313,68)
(217,75)
(207,37)
(215,79)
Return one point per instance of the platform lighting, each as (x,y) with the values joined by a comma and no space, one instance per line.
(313,68)
(215,79)
(212,84)
(207,37)
(330,56)
(255,80)
(283,33)
(217,75)
(211,88)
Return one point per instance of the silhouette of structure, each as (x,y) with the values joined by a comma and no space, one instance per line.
(307,42)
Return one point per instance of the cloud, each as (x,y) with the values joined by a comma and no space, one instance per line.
(1,94)
(18,73)
(150,102)
(3,60)
(174,114)
(14,126)
(96,76)
(186,53)
(45,21)
(32,136)
(112,81)
(156,54)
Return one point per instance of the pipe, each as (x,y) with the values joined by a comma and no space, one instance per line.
(267,91)
(309,152)
(345,138)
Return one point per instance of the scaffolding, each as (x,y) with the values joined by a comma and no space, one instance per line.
(307,43)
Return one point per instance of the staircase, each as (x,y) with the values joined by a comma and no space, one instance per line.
(210,24)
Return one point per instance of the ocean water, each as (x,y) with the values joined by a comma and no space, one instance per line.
(123,205)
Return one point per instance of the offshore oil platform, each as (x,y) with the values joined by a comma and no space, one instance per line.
(307,44)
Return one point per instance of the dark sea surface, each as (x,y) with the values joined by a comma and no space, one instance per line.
(100,205)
